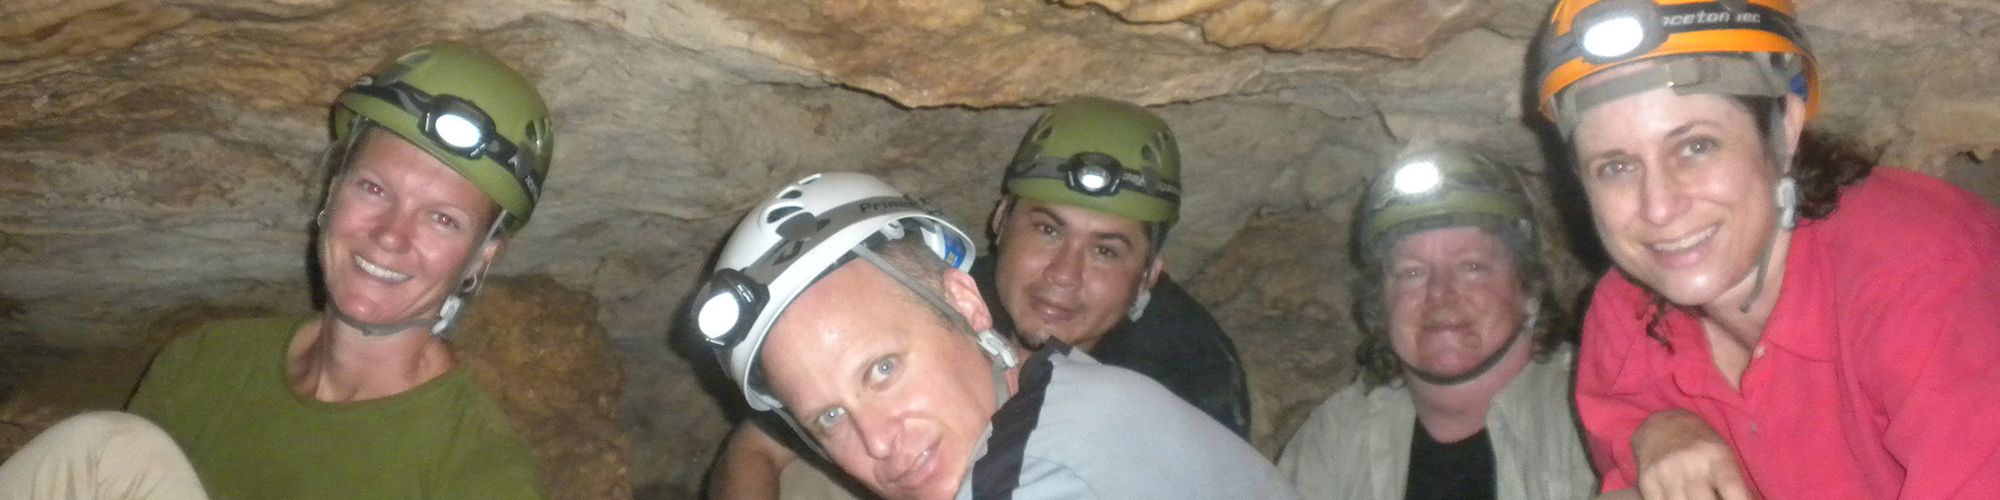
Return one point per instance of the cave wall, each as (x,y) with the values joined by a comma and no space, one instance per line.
(161,153)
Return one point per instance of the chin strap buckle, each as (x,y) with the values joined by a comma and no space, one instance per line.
(997,349)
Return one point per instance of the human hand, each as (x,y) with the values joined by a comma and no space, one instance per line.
(1680,457)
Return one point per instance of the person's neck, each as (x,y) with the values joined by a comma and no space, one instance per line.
(1451,413)
(333,362)
(1726,318)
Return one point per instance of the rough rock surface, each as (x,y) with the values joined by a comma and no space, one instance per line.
(1396,28)
(538,348)
(160,153)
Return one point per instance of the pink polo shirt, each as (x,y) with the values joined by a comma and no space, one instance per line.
(1878,375)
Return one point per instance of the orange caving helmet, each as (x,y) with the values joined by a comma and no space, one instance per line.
(1588,37)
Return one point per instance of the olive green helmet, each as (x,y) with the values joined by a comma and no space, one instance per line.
(1443,187)
(465,108)
(1104,155)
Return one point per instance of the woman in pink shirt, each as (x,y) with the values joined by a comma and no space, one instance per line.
(1782,322)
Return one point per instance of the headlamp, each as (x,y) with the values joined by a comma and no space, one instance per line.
(727,305)
(732,299)
(1614,37)
(1094,179)
(1417,178)
(457,131)
(1616,30)
(1097,174)
(455,125)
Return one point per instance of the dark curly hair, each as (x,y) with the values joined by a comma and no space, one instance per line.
(1822,164)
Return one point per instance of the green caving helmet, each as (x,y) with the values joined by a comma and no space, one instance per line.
(1104,155)
(1443,187)
(467,109)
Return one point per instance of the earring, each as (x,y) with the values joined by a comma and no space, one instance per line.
(1787,196)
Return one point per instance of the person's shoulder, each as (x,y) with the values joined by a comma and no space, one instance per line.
(1325,453)
(230,340)
(1079,367)
(1172,305)
(1175,326)
(1098,395)
(1618,315)
(1544,386)
(1615,291)
(1348,409)
(1908,214)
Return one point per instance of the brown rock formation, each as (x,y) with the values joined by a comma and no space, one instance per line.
(160,153)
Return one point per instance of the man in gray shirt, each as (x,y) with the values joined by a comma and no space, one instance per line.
(845,306)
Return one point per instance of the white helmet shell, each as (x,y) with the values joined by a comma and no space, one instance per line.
(787,243)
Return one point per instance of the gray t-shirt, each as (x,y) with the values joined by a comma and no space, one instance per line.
(1081,429)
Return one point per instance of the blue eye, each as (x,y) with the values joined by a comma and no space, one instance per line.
(882,369)
(830,418)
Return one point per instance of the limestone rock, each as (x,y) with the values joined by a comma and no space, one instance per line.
(32,29)
(160,153)
(1280,290)
(1397,28)
(538,349)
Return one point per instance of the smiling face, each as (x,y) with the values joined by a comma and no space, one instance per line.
(400,226)
(1455,298)
(1069,273)
(895,397)
(1680,189)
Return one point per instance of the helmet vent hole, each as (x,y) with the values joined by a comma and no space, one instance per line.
(1146,153)
(791,194)
(1044,135)
(779,213)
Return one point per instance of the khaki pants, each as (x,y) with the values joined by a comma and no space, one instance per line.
(100,455)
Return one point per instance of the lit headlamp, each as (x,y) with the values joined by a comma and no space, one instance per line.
(728,304)
(1417,178)
(1618,30)
(1098,174)
(1427,179)
(455,125)
(731,301)
(1612,31)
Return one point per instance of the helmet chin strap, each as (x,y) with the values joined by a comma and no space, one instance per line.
(1786,196)
(990,342)
(1492,360)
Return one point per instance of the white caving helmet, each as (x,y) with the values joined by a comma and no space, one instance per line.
(788,242)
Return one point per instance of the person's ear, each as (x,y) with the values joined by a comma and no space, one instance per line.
(1000,213)
(1153,272)
(490,252)
(1795,126)
(963,295)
